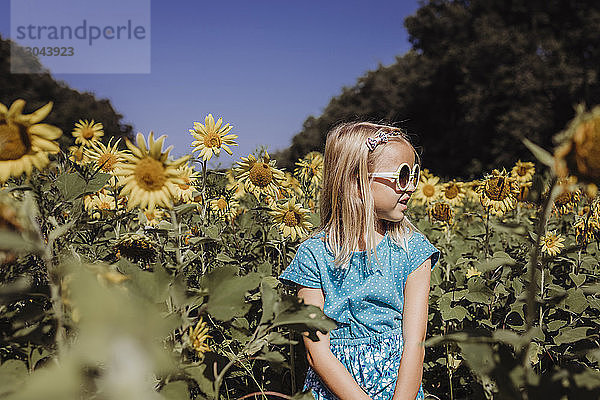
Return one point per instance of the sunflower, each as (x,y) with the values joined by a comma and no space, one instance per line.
(12,219)
(107,158)
(428,190)
(310,169)
(198,336)
(185,190)
(259,177)
(98,202)
(552,243)
(498,192)
(453,192)
(151,217)
(584,229)
(86,133)
(587,225)
(211,137)
(471,272)
(224,208)
(441,212)
(77,155)
(236,187)
(24,143)
(523,171)
(148,176)
(290,187)
(566,201)
(470,189)
(426,174)
(579,153)
(137,248)
(292,218)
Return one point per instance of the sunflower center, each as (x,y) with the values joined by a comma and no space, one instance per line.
(442,212)
(522,170)
(564,198)
(212,139)
(186,184)
(550,241)
(104,205)
(451,191)
(87,132)
(221,203)
(497,188)
(291,218)
(261,174)
(78,154)
(428,190)
(150,174)
(107,161)
(13,142)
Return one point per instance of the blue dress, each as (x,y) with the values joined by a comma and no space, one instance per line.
(366,301)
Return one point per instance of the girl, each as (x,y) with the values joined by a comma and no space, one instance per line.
(380,304)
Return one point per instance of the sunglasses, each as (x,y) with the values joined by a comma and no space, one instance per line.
(403,176)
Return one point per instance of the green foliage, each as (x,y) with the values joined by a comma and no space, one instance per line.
(481,75)
(70,106)
(83,321)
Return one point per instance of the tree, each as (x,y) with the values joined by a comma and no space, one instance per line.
(70,106)
(481,76)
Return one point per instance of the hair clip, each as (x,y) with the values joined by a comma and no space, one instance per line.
(381,136)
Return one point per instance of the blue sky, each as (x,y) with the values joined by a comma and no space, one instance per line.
(264,66)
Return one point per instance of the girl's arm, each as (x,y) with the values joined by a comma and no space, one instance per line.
(414,329)
(321,359)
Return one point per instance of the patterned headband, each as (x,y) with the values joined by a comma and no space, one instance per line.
(382,136)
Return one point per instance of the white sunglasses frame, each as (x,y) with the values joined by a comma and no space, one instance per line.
(396,175)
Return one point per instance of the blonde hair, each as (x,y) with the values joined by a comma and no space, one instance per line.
(347,204)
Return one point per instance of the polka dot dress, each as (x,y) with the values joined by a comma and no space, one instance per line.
(366,301)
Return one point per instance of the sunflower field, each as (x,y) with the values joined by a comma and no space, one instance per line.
(128,274)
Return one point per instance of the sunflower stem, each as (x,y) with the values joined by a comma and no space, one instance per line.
(533,264)
(178,240)
(487,232)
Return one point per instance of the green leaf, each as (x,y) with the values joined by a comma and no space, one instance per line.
(272,356)
(153,285)
(542,155)
(269,297)
(225,258)
(227,291)
(575,301)
(478,292)
(570,335)
(588,378)
(278,338)
(449,312)
(72,185)
(578,279)
(12,374)
(479,357)
(300,317)
(15,242)
(177,390)
(304,395)
(555,325)
(499,258)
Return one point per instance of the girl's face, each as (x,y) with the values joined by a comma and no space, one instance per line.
(390,202)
